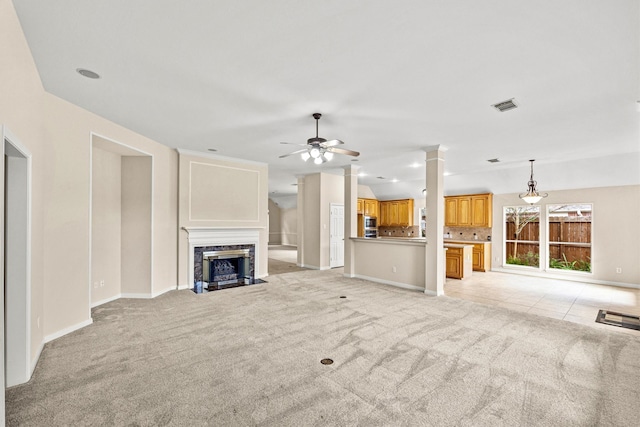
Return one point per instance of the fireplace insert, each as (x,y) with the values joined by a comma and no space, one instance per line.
(226,268)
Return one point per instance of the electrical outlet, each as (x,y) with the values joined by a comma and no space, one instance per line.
(101,283)
(394,269)
(619,270)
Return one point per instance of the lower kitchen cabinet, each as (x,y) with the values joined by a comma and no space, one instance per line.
(481,254)
(459,261)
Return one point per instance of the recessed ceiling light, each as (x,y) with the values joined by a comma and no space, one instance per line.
(211,149)
(493,160)
(394,180)
(415,165)
(362,174)
(88,73)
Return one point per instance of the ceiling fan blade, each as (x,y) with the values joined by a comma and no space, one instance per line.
(332,142)
(343,151)
(293,143)
(295,152)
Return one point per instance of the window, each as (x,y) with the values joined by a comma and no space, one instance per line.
(522,235)
(570,237)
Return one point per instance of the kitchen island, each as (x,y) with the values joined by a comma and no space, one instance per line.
(400,261)
(459,260)
(392,260)
(481,252)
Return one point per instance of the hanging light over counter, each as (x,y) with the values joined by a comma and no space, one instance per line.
(532,195)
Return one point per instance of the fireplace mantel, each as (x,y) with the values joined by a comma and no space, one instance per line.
(209,236)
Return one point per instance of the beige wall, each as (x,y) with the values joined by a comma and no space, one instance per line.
(311,224)
(22,112)
(289,226)
(395,263)
(615,228)
(58,135)
(332,191)
(224,193)
(106,226)
(275,229)
(136,226)
(320,190)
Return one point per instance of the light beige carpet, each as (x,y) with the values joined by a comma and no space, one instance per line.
(279,267)
(251,356)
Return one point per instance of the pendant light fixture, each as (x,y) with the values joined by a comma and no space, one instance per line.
(532,195)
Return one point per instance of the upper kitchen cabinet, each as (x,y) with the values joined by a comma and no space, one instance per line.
(370,207)
(396,213)
(473,210)
(360,208)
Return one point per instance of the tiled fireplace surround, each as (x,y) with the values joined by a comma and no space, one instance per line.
(201,239)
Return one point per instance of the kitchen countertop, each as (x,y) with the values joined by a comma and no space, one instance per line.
(447,243)
(472,242)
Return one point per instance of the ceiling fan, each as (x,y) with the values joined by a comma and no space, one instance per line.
(320,149)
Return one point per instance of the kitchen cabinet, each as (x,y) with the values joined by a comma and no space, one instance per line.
(468,211)
(369,207)
(481,255)
(458,261)
(396,213)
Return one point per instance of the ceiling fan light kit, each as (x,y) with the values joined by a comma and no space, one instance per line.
(532,195)
(319,149)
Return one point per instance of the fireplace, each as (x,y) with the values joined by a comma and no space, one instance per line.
(226,268)
(204,240)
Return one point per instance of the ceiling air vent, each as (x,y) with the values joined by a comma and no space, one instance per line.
(493,160)
(507,105)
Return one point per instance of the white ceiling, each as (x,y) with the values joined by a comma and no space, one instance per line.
(390,78)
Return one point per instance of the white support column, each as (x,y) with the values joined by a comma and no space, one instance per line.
(435,259)
(300,220)
(350,217)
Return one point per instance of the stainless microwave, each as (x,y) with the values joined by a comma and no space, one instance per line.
(370,222)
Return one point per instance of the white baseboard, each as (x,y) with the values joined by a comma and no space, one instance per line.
(106,300)
(34,361)
(573,278)
(392,283)
(66,331)
(137,296)
(164,291)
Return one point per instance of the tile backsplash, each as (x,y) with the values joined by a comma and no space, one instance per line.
(466,233)
(413,231)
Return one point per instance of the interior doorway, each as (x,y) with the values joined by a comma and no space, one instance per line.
(17,260)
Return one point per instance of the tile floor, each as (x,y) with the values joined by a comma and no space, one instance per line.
(559,299)
(576,302)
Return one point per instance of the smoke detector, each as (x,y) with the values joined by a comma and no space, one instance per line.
(507,105)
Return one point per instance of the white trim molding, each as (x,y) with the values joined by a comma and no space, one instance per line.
(201,237)
(66,331)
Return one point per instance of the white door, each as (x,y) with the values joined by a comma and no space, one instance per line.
(336,241)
